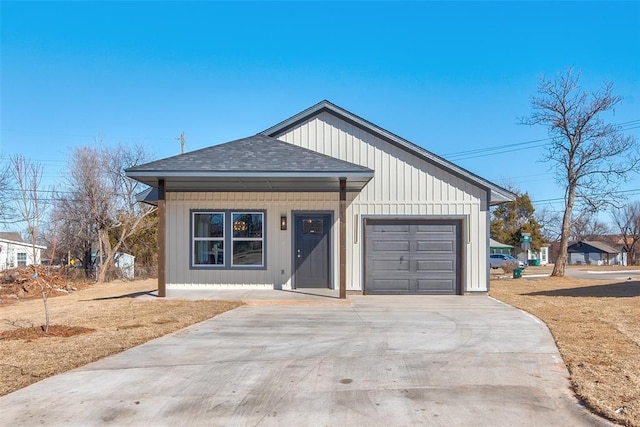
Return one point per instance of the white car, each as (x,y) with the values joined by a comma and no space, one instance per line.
(496,260)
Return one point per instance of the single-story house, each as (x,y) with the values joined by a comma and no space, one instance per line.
(323,199)
(125,263)
(595,253)
(496,247)
(15,252)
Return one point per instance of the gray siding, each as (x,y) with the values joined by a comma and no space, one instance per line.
(403,185)
(278,242)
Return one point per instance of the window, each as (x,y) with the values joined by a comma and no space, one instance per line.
(208,238)
(228,239)
(22,259)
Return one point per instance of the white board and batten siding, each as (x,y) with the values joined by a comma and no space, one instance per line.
(278,242)
(403,185)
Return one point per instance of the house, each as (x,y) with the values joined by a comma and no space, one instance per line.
(15,252)
(125,263)
(496,247)
(539,257)
(596,253)
(323,199)
(529,256)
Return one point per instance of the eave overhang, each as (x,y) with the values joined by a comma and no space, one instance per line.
(238,181)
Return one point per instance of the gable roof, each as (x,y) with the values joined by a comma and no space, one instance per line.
(592,246)
(14,236)
(498,194)
(496,244)
(256,163)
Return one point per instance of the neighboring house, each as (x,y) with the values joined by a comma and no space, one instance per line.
(496,247)
(540,257)
(15,252)
(126,264)
(596,253)
(324,199)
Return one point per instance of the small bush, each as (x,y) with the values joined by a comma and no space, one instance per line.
(510,266)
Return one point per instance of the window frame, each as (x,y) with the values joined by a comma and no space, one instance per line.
(248,239)
(19,262)
(228,239)
(195,239)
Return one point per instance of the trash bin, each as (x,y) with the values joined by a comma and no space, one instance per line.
(517,273)
(534,262)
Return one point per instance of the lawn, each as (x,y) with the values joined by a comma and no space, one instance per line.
(113,320)
(596,325)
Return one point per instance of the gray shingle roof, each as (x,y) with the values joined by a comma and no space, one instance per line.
(258,153)
(256,163)
(599,246)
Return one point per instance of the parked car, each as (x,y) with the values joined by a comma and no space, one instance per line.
(496,260)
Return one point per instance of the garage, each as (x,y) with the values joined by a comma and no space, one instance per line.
(412,256)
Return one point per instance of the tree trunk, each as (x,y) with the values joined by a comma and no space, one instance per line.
(105,254)
(561,261)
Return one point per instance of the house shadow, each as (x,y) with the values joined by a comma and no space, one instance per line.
(628,289)
(130,295)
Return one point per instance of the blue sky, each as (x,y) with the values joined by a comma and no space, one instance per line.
(451,77)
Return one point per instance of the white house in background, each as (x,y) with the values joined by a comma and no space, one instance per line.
(324,199)
(541,256)
(15,252)
(126,264)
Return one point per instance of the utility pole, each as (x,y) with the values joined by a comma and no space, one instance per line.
(181,143)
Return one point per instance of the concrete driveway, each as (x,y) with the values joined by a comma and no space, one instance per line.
(380,361)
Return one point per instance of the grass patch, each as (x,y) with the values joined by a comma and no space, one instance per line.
(596,326)
(88,325)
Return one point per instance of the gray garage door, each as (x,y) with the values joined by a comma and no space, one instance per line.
(412,257)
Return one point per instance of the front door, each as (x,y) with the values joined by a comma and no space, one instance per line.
(311,250)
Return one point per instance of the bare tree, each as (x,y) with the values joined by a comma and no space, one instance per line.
(627,220)
(590,157)
(31,208)
(103,200)
(588,227)
(27,176)
(5,196)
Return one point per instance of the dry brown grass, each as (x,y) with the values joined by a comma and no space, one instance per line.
(120,322)
(596,325)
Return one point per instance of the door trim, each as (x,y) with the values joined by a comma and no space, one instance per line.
(294,214)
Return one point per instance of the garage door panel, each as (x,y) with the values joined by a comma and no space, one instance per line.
(390,245)
(412,256)
(436,265)
(392,285)
(436,286)
(390,265)
(435,228)
(389,228)
(435,246)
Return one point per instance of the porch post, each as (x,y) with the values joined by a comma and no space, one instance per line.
(343,238)
(162,239)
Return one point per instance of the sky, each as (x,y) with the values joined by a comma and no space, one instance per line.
(455,78)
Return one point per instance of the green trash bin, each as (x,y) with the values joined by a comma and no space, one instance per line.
(534,262)
(517,273)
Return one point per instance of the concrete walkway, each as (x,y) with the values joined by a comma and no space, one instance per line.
(380,361)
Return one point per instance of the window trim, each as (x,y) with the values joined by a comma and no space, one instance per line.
(19,261)
(228,240)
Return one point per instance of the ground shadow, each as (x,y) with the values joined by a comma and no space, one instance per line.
(296,291)
(131,295)
(628,289)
